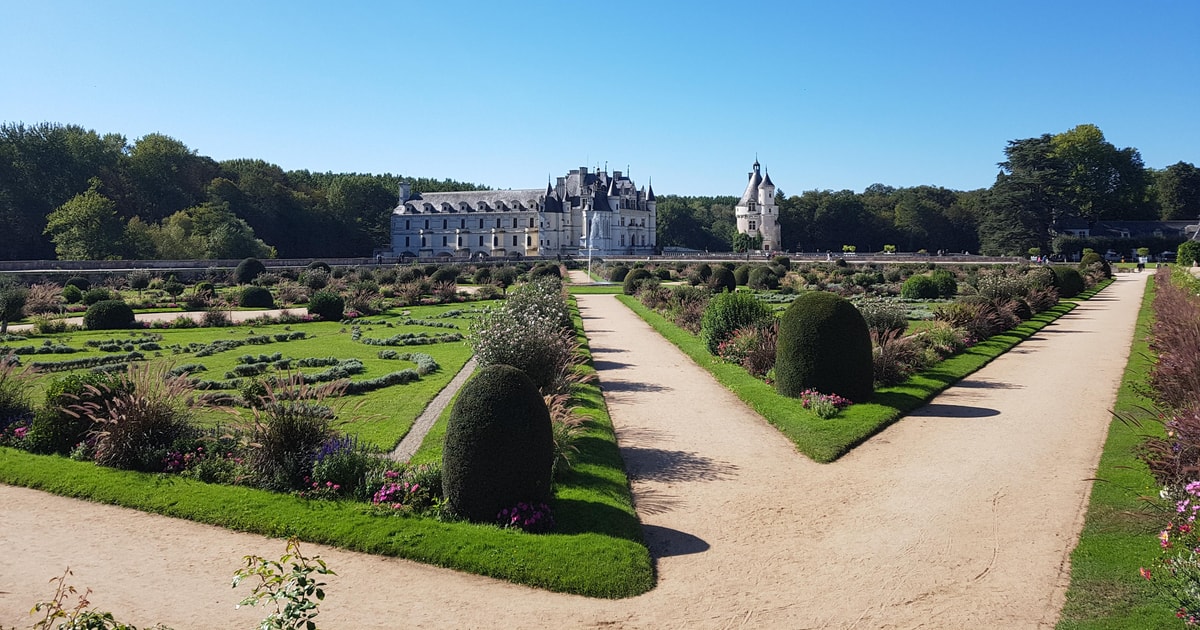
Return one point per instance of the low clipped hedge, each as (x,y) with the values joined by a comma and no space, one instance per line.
(633,280)
(256,297)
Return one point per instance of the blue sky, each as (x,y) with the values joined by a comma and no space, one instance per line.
(828,95)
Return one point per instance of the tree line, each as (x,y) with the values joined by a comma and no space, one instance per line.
(71,193)
(1045,186)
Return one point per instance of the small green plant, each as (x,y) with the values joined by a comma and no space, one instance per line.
(59,614)
(919,287)
(294,591)
(889,249)
(728,312)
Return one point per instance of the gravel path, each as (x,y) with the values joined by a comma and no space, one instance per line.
(412,440)
(962,515)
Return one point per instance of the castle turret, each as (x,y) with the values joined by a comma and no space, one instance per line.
(756,213)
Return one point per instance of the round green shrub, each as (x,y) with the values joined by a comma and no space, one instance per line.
(79,282)
(318,264)
(704,271)
(96,294)
(1091,258)
(741,275)
(248,270)
(662,273)
(445,274)
(327,305)
(763,278)
(545,271)
(482,275)
(618,273)
(919,287)
(499,445)
(71,294)
(634,279)
(1187,254)
(108,315)
(726,313)
(1068,281)
(824,344)
(947,286)
(722,280)
(782,261)
(204,288)
(256,297)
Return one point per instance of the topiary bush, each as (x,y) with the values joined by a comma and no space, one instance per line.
(726,313)
(108,315)
(256,297)
(741,275)
(327,305)
(1091,258)
(319,264)
(248,270)
(824,344)
(945,282)
(919,287)
(618,273)
(79,282)
(634,279)
(445,274)
(71,294)
(722,280)
(97,294)
(763,278)
(1187,254)
(1068,281)
(543,271)
(499,445)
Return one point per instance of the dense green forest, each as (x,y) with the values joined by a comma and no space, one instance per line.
(71,193)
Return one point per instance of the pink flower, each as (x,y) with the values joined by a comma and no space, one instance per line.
(1144,572)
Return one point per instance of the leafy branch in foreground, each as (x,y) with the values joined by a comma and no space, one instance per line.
(292,591)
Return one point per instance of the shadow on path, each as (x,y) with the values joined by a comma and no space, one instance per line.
(937,410)
(654,464)
(664,542)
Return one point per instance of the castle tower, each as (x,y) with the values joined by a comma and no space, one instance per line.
(756,212)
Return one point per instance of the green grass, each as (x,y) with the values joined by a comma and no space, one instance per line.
(577,289)
(596,550)
(1119,532)
(827,440)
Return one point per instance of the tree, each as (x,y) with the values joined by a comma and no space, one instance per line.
(1100,181)
(745,242)
(166,176)
(12,302)
(86,227)
(1177,189)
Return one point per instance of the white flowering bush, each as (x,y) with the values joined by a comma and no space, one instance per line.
(531,332)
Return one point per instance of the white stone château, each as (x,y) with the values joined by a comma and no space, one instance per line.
(756,212)
(582,209)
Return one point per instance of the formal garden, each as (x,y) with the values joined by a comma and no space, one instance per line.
(285,424)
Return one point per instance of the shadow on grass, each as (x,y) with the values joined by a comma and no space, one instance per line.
(575,516)
(665,542)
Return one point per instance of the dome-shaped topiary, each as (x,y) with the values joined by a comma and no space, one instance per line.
(248,270)
(763,278)
(71,294)
(726,313)
(722,280)
(327,305)
(256,297)
(319,264)
(618,273)
(943,279)
(499,445)
(824,344)
(445,274)
(919,287)
(79,282)
(108,315)
(1068,281)
(741,275)
(634,280)
(1092,258)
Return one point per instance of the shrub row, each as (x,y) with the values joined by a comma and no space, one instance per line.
(413,339)
(86,362)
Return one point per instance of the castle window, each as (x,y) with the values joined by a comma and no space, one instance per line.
(622,240)
(514,240)
(495,241)
(481,241)
(459,241)
(530,221)
(462,224)
(528,241)
(406,241)
(443,224)
(481,224)
(752,224)
(407,224)
(426,224)
(443,241)
(514,224)
(422,241)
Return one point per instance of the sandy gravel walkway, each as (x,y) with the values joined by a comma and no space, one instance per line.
(961,516)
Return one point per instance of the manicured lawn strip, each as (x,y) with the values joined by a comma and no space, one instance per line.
(583,563)
(577,289)
(1100,286)
(1118,533)
(826,440)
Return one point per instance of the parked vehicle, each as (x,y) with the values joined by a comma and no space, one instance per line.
(1112,256)
(1167,256)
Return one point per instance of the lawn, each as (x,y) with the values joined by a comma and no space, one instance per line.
(1119,533)
(596,549)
